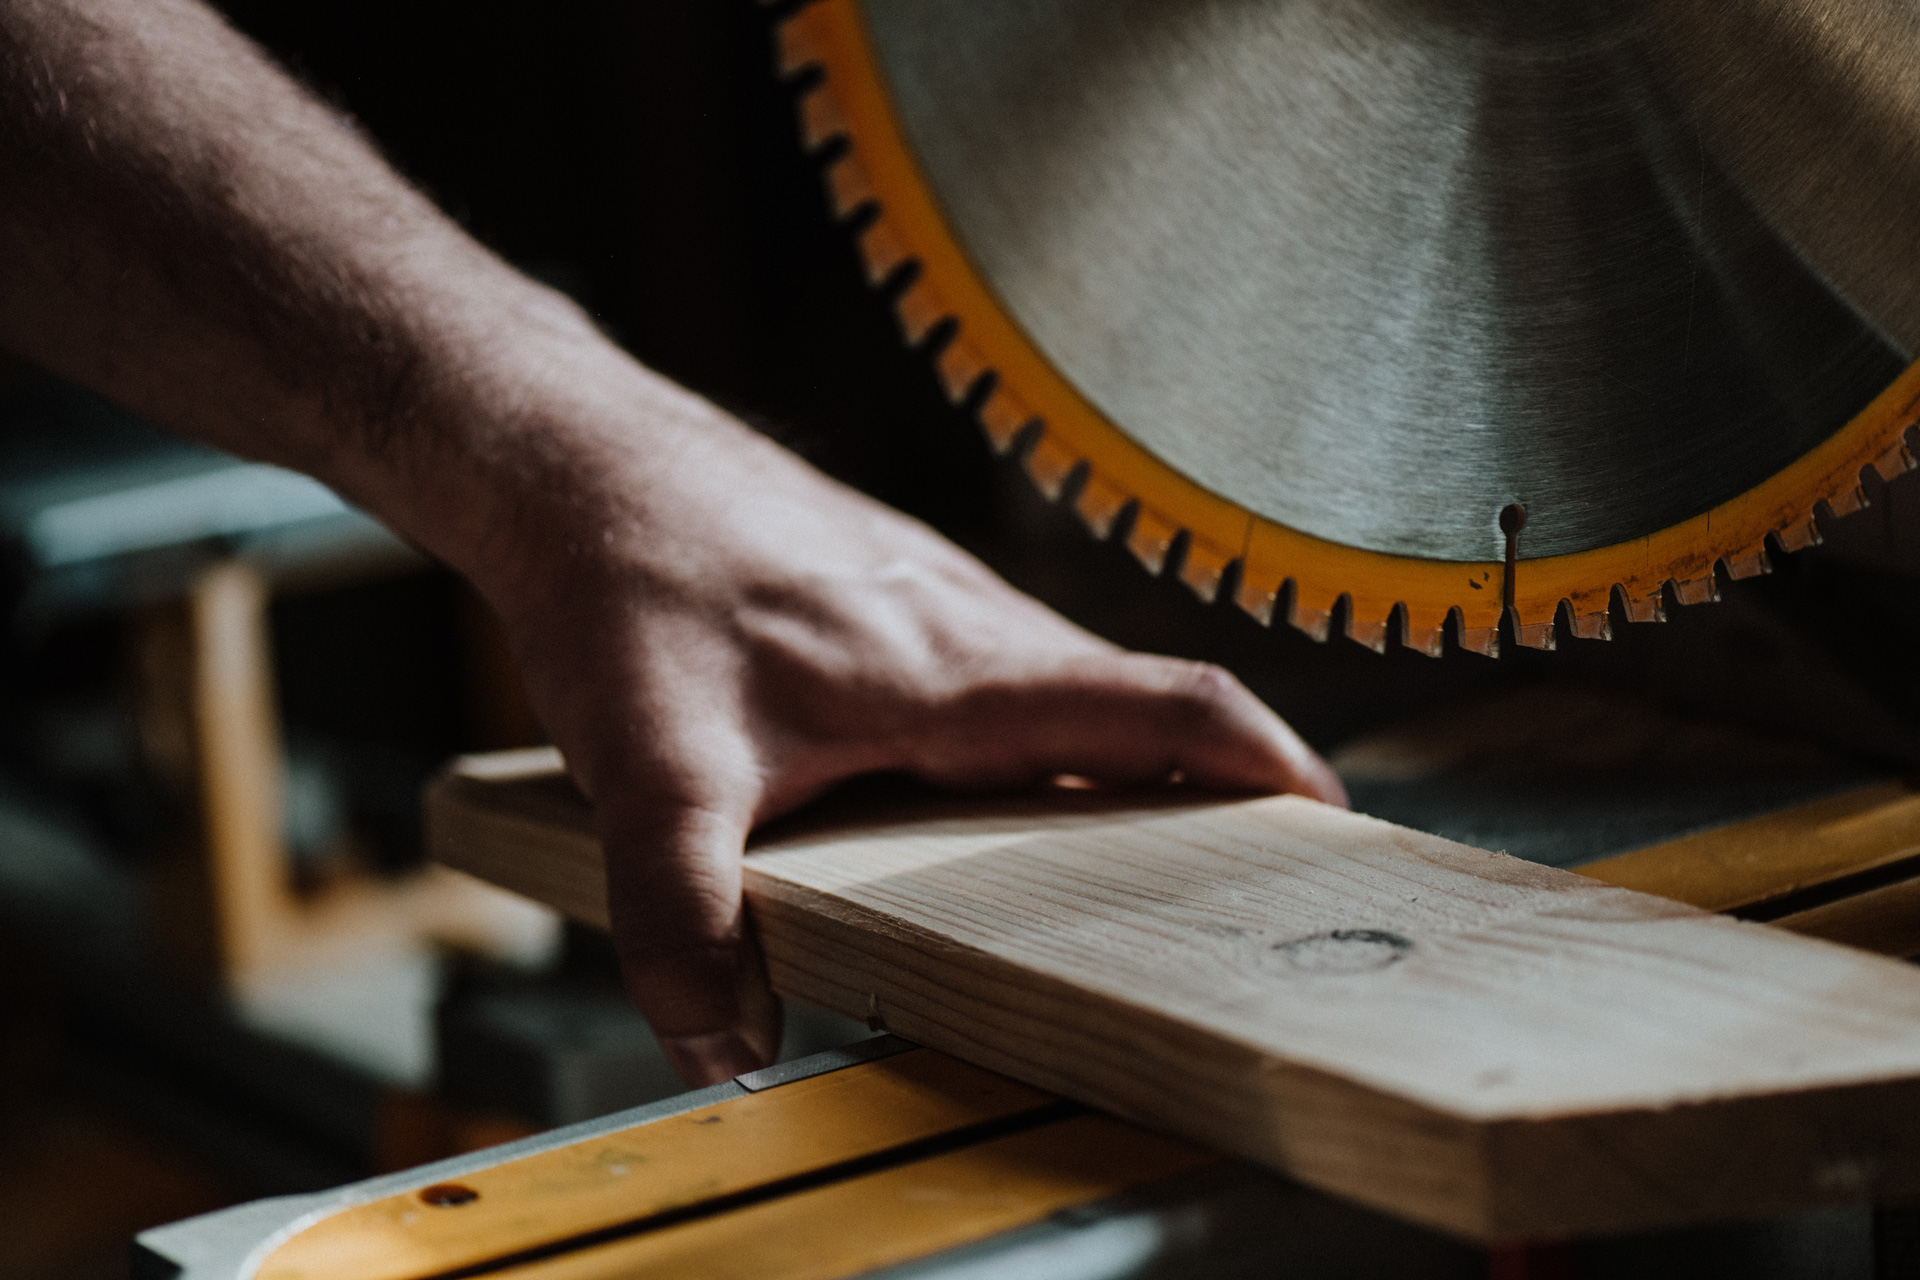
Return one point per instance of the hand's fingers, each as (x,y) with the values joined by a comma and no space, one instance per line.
(1127,718)
(689,960)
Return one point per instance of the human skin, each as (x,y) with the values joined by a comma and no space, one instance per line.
(711,630)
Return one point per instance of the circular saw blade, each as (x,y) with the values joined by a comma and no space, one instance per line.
(1324,287)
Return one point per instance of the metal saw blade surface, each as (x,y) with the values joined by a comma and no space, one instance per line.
(1375,269)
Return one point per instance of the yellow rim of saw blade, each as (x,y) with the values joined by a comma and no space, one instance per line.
(1283,571)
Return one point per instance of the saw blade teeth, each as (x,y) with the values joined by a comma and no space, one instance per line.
(1591,626)
(1425,634)
(821,124)
(1314,617)
(797,46)
(1316,624)
(1432,641)
(1049,464)
(884,252)
(1750,563)
(1650,607)
(1484,641)
(1257,603)
(1369,633)
(1203,567)
(978,392)
(848,188)
(1099,505)
(919,311)
(1534,635)
(1005,418)
(1847,501)
(1799,535)
(1896,461)
(961,368)
(1150,539)
(1702,590)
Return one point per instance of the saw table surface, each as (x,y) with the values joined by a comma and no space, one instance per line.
(881,1160)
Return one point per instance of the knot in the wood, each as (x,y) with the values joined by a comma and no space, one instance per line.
(1344,951)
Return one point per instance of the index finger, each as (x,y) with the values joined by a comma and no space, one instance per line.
(686,951)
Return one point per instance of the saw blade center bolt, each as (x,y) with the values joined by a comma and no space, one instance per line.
(1513,518)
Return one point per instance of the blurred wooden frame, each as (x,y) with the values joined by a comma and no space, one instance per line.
(225,907)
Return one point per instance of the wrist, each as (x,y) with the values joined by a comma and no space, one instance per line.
(518,449)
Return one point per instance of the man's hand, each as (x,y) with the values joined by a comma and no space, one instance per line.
(712,631)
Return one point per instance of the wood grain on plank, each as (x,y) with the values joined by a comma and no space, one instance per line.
(1495,1048)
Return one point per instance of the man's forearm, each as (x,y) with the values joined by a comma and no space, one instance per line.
(187,231)
(711,630)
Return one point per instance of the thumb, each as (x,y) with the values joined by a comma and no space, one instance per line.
(686,948)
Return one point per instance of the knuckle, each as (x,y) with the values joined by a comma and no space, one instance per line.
(1207,691)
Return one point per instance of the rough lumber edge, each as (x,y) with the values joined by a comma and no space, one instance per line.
(520,802)
(519,823)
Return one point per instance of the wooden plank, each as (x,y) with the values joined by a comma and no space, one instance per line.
(210,725)
(1777,853)
(1495,1048)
